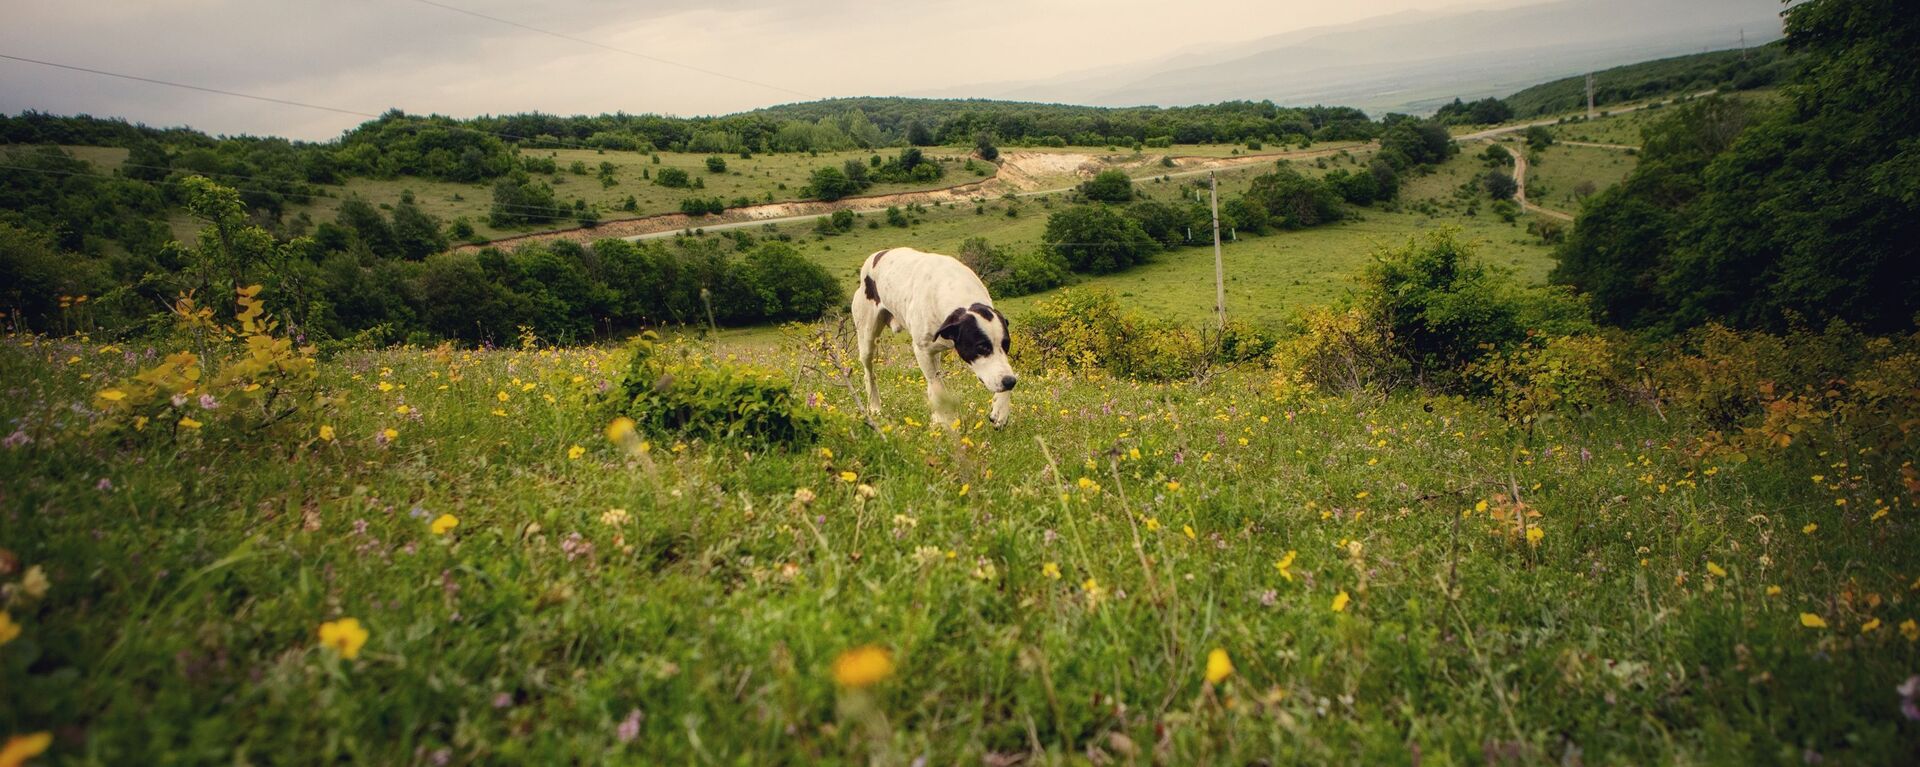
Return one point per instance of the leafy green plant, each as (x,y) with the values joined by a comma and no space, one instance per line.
(670,392)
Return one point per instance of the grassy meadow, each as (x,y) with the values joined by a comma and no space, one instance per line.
(1557,173)
(1399,581)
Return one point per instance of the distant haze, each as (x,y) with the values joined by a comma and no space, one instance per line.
(371,55)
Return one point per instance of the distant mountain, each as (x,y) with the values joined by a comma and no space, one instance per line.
(1415,61)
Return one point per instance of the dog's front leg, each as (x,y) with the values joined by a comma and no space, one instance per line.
(936,392)
(1002,409)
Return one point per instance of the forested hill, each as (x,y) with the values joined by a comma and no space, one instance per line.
(1725,70)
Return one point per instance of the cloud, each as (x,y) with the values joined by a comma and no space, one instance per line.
(371,55)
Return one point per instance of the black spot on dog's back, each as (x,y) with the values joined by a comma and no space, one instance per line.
(877,256)
(873,292)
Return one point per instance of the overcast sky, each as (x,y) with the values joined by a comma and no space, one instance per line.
(370,55)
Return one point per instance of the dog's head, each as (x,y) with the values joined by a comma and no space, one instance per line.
(981,337)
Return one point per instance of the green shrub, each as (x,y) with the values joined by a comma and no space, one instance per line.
(1442,308)
(673,178)
(693,396)
(1009,273)
(1108,186)
(1096,240)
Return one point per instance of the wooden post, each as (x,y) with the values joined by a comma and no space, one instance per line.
(1219,269)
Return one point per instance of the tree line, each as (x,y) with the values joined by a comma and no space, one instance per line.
(377,277)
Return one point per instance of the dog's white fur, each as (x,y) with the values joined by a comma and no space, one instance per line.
(936,300)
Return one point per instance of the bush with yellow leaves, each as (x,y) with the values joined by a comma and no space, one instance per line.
(1341,350)
(246,377)
(1551,374)
(1082,331)
(1758,391)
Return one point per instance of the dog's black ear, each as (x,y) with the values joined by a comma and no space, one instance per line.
(951,324)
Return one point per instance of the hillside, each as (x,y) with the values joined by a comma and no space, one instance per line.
(1756,67)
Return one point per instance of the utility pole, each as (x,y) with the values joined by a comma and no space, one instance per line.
(1219,268)
(1589,95)
(1743,43)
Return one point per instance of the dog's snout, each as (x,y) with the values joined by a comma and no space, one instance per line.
(1007,382)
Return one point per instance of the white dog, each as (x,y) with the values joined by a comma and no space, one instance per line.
(944,306)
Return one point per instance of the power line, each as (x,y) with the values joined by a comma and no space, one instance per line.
(453,125)
(615,49)
(200,88)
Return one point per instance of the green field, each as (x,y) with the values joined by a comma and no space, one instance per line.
(1047,591)
(1555,176)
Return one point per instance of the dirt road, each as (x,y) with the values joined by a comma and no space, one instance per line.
(1520,185)
(1022,174)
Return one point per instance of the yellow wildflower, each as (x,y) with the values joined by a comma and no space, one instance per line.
(1219,666)
(1534,534)
(113,395)
(1285,565)
(1870,626)
(391,434)
(34,582)
(346,636)
(1051,571)
(9,630)
(20,748)
(862,667)
(1716,570)
(326,433)
(1910,630)
(574,453)
(444,524)
(1340,601)
(1773,591)
(1811,526)
(1812,621)
(187,422)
